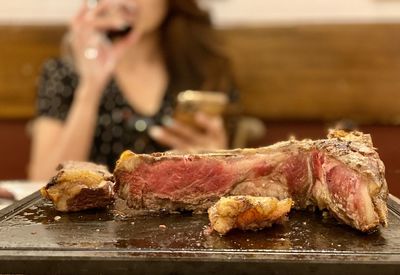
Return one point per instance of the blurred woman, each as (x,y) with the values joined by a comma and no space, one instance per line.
(115,95)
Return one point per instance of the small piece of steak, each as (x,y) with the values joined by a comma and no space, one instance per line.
(247,213)
(79,186)
(342,174)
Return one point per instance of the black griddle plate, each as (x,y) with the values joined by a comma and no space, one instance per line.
(36,239)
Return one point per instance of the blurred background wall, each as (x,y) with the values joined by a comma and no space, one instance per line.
(302,66)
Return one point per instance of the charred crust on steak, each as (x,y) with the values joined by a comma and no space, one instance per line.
(80,186)
(90,198)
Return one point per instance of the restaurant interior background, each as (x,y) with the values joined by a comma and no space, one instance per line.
(302,66)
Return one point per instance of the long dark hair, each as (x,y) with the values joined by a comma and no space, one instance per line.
(192,49)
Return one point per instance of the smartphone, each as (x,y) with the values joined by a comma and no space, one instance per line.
(189,103)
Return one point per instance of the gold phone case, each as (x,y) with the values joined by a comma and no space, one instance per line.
(191,102)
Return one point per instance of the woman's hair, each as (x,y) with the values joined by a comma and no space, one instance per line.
(192,49)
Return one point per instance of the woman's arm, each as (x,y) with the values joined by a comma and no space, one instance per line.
(55,141)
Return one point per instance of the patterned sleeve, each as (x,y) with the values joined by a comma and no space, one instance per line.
(57,84)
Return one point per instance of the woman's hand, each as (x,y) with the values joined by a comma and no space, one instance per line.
(210,134)
(95,57)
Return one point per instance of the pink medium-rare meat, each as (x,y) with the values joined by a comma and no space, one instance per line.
(342,174)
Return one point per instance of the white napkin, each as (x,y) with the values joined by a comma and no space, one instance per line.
(20,189)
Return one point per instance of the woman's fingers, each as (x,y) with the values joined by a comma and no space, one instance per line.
(187,132)
(88,26)
(211,124)
(88,15)
(182,137)
(81,13)
(164,137)
(101,7)
(98,24)
(96,20)
(214,130)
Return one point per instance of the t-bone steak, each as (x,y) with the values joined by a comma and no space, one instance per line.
(342,174)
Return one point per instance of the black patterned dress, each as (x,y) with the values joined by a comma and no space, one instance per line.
(119,126)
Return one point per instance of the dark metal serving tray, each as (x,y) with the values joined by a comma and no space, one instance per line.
(36,239)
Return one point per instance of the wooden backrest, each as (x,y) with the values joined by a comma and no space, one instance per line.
(319,72)
(23,49)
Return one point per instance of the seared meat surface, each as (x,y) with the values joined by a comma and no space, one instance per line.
(342,174)
(247,213)
(79,186)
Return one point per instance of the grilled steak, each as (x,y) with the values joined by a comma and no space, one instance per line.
(342,174)
(79,186)
(247,213)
